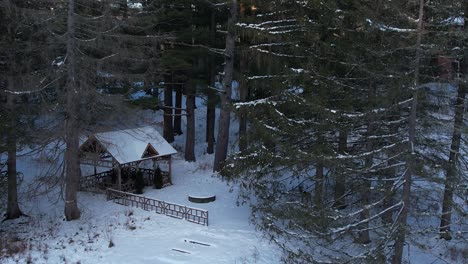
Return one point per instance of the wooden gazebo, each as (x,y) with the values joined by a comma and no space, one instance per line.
(125,150)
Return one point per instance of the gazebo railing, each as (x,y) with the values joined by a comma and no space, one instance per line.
(190,214)
(97,181)
(102,181)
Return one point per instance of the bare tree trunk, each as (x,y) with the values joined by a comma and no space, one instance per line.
(243,92)
(72,177)
(225,115)
(178,111)
(387,217)
(190,137)
(363,235)
(451,174)
(124,8)
(13,210)
(211,104)
(340,188)
(168,132)
(318,193)
(402,219)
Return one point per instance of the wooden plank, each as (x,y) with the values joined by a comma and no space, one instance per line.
(181,251)
(198,243)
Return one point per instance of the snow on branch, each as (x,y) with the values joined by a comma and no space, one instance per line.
(375,111)
(31,91)
(350,226)
(280,54)
(385,28)
(273,13)
(266,77)
(255,102)
(364,154)
(271,44)
(269,28)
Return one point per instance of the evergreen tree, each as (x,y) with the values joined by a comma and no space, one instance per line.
(139,182)
(23,78)
(453,170)
(157,179)
(224,117)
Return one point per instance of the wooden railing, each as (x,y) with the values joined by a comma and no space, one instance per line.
(100,181)
(194,215)
(104,180)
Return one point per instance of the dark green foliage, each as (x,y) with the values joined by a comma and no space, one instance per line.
(157,179)
(151,103)
(139,182)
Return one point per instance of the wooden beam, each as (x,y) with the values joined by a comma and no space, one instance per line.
(100,163)
(119,178)
(170,169)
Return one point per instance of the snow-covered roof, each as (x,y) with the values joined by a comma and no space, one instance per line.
(134,144)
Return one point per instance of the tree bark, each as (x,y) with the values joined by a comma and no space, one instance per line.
(225,115)
(363,235)
(243,92)
(452,171)
(72,171)
(340,188)
(168,132)
(211,101)
(387,217)
(190,137)
(402,219)
(318,193)
(13,210)
(178,111)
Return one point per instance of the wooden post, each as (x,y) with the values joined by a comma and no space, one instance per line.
(95,169)
(119,178)
(170,169)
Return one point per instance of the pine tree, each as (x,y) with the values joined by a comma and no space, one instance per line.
(22,66)
(222,139)
(328,118)
(157,179)
(453,170)
(139,182)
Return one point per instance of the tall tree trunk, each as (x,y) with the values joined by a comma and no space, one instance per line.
(13,210)
(190,137)
(168,132)
(225,115)
(124,8)
(363,235)
(318,192)
(451,174)
(452,171)
(243,92)
(211,103)
(72,177)
(402,219)
(387,217)
(178,111)
(340,188)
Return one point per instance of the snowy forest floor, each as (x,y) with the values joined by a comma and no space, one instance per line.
(140,236)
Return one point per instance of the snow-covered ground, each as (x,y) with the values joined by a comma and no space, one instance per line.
(138,236)
(141,236)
